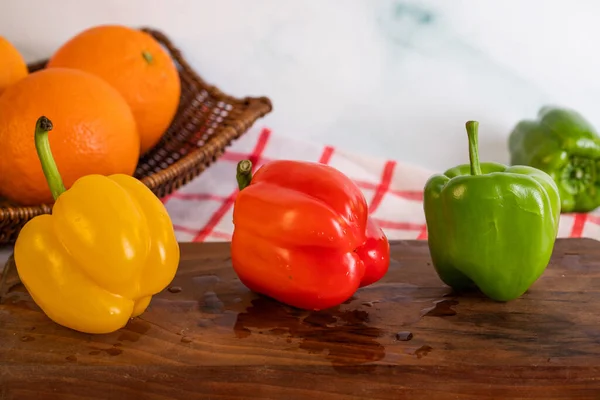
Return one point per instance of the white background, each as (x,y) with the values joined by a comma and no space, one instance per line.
(394,79)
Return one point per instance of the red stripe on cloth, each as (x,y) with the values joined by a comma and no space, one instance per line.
(384,185)
(236,157)
(214,220)
(594,219)
(255,157)
(185,229)
(216,234)
(408,194)
(404,226)
(578,225)
(221,235)
(328,151)
(423,233)
(405,194)
(197,196)
(326,155)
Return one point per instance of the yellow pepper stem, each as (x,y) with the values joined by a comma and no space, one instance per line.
(42,145)
(244,173)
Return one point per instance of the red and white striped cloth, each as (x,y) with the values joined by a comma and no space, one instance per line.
(202,210)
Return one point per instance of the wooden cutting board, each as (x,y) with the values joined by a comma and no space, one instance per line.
(405,337)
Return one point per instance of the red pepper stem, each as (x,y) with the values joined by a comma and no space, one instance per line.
(42,145)
(244,173)
(472,128)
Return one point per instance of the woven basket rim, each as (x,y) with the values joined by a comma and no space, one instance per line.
(255,108)
(198,157)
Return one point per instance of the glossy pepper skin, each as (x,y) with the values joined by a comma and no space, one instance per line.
(303,235)
(107,247)
(563,144)
(491,226)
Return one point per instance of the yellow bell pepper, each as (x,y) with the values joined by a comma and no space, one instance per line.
(107,247)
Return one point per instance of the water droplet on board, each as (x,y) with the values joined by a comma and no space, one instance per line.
(206,279)
(128,336)
(404,336)
(423,351)
(370,303)
(175,289)
(212,304)
(186,340)
(138,326)
(20,299)
(442,308)
(113,351)
(71,358)
(27,338)
(205,323)
(326,333)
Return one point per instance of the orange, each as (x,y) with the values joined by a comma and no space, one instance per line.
(94,132)
(136,65)
(12,65)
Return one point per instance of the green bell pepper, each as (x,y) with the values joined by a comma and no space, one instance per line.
(564,145)
(491,226)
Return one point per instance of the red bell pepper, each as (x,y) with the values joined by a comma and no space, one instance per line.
(303,235)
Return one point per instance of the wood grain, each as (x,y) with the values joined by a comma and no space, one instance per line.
(407,337)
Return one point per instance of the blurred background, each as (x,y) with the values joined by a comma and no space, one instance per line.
(384,78)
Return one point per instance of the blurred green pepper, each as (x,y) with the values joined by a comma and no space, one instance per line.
(563,144)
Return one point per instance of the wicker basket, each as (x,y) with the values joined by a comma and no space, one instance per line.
(206,122)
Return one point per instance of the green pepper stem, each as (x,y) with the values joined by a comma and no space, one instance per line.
(244,173)
(472,127)
(42,145)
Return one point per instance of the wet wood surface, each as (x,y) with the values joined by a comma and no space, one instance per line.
(406,337)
